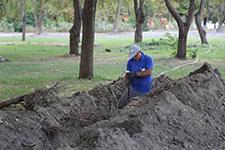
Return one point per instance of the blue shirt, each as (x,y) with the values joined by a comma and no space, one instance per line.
(141,84)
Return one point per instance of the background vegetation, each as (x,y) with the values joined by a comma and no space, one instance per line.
(57,15)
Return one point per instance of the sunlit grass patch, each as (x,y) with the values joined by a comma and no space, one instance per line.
(36,66)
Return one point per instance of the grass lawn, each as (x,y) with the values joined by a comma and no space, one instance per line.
(41,62)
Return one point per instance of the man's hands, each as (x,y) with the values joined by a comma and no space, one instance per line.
(144,73)
(131,75)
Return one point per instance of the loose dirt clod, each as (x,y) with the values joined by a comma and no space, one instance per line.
(187,113)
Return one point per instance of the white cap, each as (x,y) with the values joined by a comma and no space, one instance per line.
(133,50)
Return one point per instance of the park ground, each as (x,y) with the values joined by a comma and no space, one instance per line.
(43,61)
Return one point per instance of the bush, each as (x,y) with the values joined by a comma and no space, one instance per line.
(104,26)
(30,19)
(132,21)
(12,25)
(54,26)
(192,53)
(63,27)
(6,26)
(125,27)
(170,40)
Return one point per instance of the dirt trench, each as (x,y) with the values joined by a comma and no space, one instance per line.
(187,113)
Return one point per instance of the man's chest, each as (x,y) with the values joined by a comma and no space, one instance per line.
(138,66)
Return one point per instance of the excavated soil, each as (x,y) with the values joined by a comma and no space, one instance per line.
(187,113)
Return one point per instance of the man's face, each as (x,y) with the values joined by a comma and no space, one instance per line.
(137,56)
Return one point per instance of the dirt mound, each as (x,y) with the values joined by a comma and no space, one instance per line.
(187,113)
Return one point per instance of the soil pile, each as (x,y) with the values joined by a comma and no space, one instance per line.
(187,113)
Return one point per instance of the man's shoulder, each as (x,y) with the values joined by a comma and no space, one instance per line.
(148,57)
(149,61)
(130,60)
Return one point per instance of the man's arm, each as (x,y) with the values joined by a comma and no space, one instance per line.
(148,66)
(144,73)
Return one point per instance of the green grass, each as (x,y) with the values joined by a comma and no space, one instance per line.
(27,52)
(31,39)
(34,65)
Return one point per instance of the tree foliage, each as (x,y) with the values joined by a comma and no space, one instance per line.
(62,11)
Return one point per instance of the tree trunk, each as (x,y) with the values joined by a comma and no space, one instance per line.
(24,29)
(138,33)
(40,24)
(221,16)
(182,43)
(201,31)
(198,21)
(183,26)
(115,25)
(220,25)
(139,15)
(86,62)
(34,5)
(75,30)
(38,15)
(23,19)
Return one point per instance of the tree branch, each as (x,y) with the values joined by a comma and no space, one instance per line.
(202,5)
(174,13)
(142,3)
(190,13)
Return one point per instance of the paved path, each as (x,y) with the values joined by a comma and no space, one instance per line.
(150,34)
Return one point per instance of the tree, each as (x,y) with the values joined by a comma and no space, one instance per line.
(75,30)
(183,26)
(88,17)
(38,13)
(2,9)
(216,12)
(59,10)
(23,18)
(140,18)
(198,21)
(221,16)
(104,13)
(115,24)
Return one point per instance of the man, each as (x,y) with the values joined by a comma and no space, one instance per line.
(139,71)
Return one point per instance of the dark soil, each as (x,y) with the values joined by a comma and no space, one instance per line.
(187,113)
